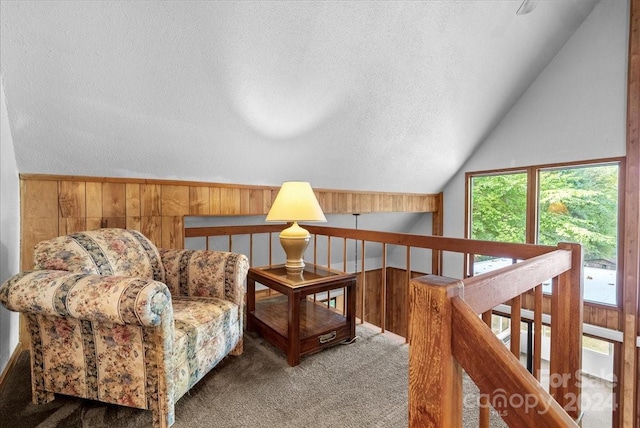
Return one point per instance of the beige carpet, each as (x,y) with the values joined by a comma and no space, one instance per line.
(363,384)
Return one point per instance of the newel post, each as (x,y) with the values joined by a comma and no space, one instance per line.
(566,335)
(435,378)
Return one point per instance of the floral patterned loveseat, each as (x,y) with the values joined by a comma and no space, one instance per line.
(112,318)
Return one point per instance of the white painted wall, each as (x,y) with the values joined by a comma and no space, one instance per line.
(9,231)
(574,110)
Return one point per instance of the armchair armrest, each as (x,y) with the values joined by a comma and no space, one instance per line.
(206,273)
(114,299)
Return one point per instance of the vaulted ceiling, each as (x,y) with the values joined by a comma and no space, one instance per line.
(362,95)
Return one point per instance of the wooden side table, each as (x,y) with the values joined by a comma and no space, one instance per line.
(292,322)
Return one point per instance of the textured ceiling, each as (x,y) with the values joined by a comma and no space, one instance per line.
(387,96)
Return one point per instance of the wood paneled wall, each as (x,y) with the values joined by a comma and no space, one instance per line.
(57,205)
(396,309)
(397,299)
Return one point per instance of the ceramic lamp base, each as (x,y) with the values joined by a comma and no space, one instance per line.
(294,241)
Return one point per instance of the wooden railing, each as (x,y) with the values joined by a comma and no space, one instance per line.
(446,335)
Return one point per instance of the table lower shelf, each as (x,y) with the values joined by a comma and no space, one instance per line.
(320,327)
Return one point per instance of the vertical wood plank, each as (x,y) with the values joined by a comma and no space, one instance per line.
(132,208)
(255,202)
(386,203)
(114,198)
(94,200)
(199,200)
(119,222)
(174,200)
(71,225)
(151,227)
(375,203)
(215,201)
(150,200)
(230,201)
(356,202)
(266,201)
(39,199)
(36,229)
(325,199)
(94,223)
(339,202)
(39,213)
(134,223)
(172,232)
(245,201)
(71,199)
(630,372)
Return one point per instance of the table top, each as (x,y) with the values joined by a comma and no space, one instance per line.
(312,274)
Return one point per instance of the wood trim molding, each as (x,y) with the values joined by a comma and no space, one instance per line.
(10,365)
(629,400)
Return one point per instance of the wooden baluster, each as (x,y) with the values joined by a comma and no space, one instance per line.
(344,269)
(383,290)
(537,332)
(363,283)
(329,251)
(408,315)
(516,319)
(485,419)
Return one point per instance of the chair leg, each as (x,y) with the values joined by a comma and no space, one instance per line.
(162,419)
(239,348)
(41,397)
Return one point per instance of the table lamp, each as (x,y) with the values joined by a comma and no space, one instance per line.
(295,202)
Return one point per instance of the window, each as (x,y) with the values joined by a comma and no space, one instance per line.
(574,203)
(499,207)
(580,204)
(498,213)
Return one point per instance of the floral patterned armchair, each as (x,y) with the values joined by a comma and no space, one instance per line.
(112,318)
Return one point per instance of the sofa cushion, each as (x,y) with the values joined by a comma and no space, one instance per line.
(206,329)
(103,252)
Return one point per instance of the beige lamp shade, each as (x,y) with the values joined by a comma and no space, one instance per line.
(295,202)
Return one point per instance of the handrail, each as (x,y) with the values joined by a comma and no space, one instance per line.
(481,295)
(446,335)
(511,387)
(459,245)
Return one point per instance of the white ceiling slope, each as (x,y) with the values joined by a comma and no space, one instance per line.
(385,96)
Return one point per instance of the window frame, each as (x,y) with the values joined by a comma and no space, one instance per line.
(533,187)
